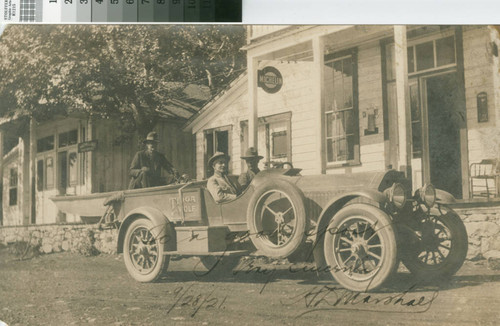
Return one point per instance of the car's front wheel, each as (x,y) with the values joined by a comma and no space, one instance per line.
(143,251)
(438,248)
(360,247)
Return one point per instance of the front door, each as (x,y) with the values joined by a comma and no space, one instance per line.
(443,126)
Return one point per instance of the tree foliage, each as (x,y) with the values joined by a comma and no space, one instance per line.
(122,72)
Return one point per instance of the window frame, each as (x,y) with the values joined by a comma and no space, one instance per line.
(273,146)
(212,131)
(412,43)
(328,58)
(53,155)
(266,122)
(13,187)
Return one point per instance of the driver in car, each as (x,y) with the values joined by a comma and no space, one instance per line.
(219,185)
(252,159)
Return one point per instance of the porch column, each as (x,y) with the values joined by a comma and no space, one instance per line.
(253,121)
(1,178)
(403,101)
(89,158)
(1,156)
(32,171)
(318,46)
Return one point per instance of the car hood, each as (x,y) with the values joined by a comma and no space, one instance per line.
(340,182)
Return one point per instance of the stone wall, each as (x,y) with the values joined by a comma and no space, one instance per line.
(85,239)
(483,229)
(482,224)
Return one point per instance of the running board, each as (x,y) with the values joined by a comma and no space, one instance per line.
(205,253)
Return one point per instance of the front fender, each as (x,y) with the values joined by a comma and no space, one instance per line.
(444,197)
(330,210)
(160,221)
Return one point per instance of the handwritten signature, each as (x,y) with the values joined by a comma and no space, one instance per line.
(319,298)
(188,298)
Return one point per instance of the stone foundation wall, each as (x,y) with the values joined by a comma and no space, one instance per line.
(483,229)
(85,239)
(482,224)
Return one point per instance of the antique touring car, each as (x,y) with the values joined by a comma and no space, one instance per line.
(358,226)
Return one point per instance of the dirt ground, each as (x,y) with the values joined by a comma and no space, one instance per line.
(70,289)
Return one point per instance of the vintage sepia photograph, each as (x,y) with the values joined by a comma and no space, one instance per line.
(249,174)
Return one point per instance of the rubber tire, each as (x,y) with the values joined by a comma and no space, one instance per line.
(386,231)
(455,258)
(162,262)
(299,234)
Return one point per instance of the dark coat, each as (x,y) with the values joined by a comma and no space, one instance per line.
(246,177)
(151,178)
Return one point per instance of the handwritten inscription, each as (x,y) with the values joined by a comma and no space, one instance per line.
(326,297)
(188,298)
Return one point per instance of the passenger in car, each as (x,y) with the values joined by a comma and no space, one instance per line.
(252,159)
(219,185)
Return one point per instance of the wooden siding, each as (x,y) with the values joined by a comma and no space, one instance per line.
(295,96)
(113,158)
(370,98)
(233,113)
(480,74)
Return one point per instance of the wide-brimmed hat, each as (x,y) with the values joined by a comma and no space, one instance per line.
(152,137)
(252,153)
(216,156)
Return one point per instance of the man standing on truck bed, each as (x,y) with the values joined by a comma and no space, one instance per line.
(145,170)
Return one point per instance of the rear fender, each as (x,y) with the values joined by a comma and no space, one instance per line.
(160,222)
(330,210)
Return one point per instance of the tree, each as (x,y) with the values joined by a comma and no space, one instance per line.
(122,72)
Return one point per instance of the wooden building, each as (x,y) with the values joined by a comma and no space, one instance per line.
(76,156)
(345,99)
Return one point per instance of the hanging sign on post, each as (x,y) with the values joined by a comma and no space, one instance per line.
(270,80)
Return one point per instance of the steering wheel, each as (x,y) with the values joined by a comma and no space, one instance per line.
(283,165)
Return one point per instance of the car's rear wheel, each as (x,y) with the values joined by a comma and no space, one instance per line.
(360,247)
(276,219)
(438,249)
(143,251)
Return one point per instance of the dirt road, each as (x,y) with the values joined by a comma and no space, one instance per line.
(69,289)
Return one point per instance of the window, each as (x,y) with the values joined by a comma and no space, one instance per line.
(62,162)
(13,187)
(279,144)
(431,54)
(44,173)
(72,166)
(39,175)
(45,144)
(216,140)
(68,138)
(341,113)
(274,141)
(424,56)
(49,175)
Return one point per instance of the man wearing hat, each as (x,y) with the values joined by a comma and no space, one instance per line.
(252,159)
(219,185)
(145,170)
